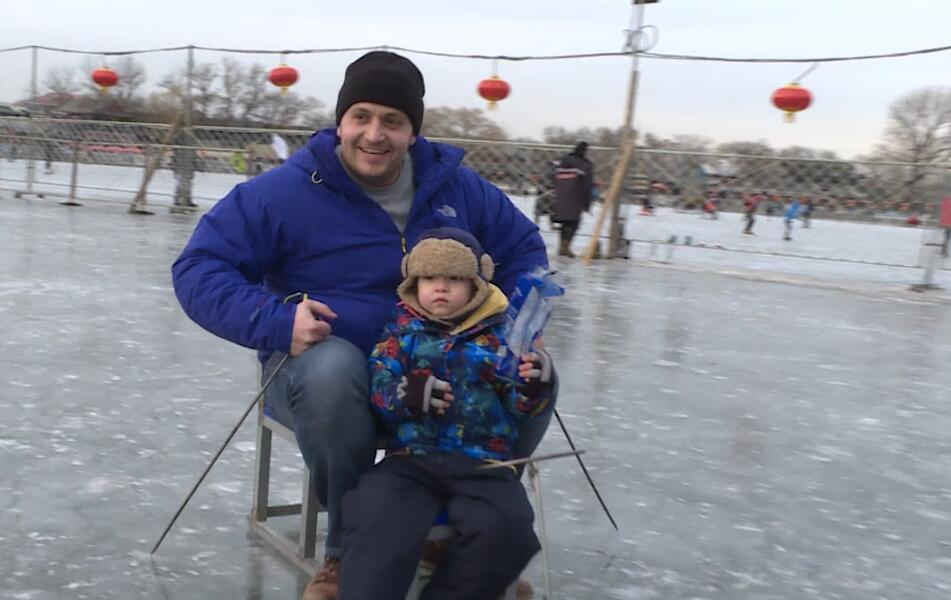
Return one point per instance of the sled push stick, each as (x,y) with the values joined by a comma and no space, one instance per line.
(234,430)
(529,459)
(594,488)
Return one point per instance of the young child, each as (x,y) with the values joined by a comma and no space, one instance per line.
(448,412)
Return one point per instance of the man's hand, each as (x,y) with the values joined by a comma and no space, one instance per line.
(310,326)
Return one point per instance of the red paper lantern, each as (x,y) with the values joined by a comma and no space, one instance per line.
(283,77)
(105,78)
(494,89)
(792,98)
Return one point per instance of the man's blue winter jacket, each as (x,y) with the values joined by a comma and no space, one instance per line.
(305,226)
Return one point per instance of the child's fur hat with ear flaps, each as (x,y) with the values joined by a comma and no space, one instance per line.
(447,252)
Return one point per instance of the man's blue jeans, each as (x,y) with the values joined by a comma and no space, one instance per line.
(324,396)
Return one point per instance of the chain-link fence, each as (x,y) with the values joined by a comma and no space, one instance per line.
(153,165)
(141,163)
(114,157)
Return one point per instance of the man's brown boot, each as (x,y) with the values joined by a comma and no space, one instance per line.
(324,584)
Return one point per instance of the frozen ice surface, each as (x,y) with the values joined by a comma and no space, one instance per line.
(754,439)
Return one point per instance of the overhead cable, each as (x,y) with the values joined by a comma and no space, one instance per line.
(505,57)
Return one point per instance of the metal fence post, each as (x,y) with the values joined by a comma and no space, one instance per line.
(71,201)
(183,153)
(31,162)
(141,197)
(932,244)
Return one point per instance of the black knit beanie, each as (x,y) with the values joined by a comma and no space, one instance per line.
(384,78)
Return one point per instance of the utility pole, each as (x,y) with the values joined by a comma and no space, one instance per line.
(636,41)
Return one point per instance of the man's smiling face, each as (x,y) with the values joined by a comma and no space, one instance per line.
(374,140)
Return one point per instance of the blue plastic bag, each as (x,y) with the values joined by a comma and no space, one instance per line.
(530,306)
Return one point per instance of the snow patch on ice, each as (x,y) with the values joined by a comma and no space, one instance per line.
(101,485)
(245,446)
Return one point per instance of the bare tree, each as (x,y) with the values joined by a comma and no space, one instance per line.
(462,123)
(61,79)
(232,74)
(314,116)
(131,79)
(204,78)
(918,131)
(243,96)
(607,136)
(204,96)
(290,109)
(919,127)
(600,136)
(760,148)
(162,106)
(251,98)
(173,84)
(681,141)
(554,134)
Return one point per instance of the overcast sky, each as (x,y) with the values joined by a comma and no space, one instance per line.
(725,102)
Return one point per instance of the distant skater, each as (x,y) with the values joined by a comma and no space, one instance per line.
(48,158)
(647,207)
(806,214)
(749,212)
(710,209)
(792,211)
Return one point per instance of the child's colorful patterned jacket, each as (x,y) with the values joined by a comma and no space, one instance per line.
(480,422)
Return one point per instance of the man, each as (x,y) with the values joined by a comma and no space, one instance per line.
(574,183)
(329,228)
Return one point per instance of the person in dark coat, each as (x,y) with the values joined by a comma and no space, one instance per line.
(574,184)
